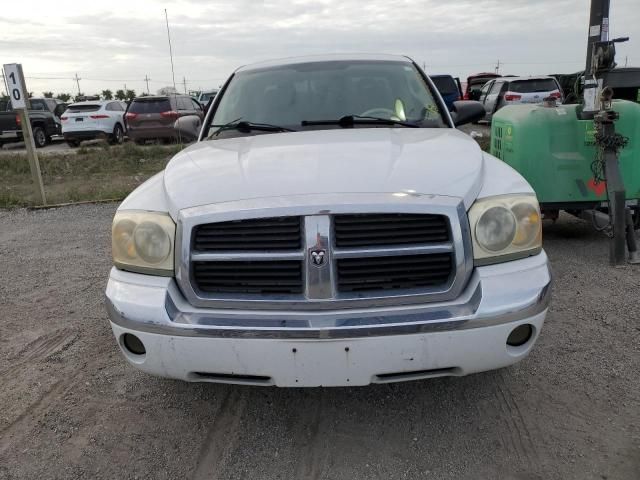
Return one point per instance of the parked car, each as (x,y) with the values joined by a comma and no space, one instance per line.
(205,96)
(330,227)
(449,88)
(89,120)
(624,81)
(475,84)
(153,117)
(44,116)
(504,91)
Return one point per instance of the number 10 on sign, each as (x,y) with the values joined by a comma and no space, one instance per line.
(15,84)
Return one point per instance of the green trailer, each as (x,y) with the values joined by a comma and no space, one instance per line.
(554,149)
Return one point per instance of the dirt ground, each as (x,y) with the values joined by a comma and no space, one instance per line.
(70,407)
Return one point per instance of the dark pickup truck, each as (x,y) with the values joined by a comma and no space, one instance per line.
(44,115)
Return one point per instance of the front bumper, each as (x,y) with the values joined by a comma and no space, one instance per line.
(331,348)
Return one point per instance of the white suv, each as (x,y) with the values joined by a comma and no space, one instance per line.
(94,119)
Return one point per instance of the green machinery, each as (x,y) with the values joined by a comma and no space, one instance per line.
(583,158)
(555,150)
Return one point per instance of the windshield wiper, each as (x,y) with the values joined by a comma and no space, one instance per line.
(246,127)
(351,120)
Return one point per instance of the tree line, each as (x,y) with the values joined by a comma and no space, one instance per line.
(124,95)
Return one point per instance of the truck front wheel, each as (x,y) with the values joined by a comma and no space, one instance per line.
(39,137)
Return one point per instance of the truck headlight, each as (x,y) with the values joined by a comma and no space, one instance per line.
(505,228)
(143,242)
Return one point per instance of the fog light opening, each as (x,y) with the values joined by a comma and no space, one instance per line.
(520,335)
(133,344)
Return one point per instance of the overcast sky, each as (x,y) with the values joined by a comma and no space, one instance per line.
(117,42)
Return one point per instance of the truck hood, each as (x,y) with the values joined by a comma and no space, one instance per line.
(439,161)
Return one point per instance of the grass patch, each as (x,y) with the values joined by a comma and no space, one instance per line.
(85,174)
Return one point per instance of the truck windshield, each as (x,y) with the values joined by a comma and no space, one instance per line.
(289,95)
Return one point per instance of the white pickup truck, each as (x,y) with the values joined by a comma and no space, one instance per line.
(331,227)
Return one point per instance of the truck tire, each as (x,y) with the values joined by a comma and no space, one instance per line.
(39,137)
(117,137)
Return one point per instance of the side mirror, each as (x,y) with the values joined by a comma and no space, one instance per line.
(188,127)
(467,111)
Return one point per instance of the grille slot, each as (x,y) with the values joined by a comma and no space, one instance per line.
(256,234)
(394,272)
(374,230)
(250,277)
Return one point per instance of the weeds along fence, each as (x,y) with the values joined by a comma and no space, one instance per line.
(95,173)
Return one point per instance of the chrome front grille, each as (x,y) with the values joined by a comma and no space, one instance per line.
(324,252)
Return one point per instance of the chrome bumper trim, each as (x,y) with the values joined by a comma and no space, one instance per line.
(473,309)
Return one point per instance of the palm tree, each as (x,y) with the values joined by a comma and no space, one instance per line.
(65,97)
(120,95)
(131,94)
(47,94)
(107,94)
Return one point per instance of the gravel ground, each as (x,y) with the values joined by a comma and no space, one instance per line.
(70,407)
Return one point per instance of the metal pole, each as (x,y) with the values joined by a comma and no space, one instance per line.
(598,27)
(617,203)
(598,32)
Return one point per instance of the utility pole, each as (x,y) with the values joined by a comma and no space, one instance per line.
(626,60)
(77,79)
(147,79)
(498,67)
(4,83)
(598,32)
(184,82)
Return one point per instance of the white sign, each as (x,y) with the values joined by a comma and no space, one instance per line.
(13,77)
